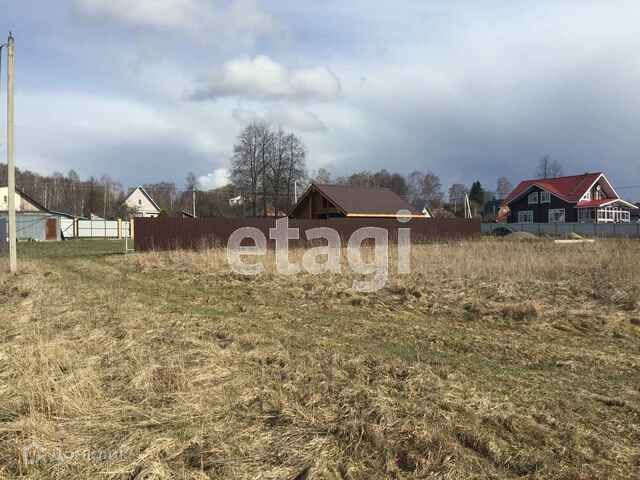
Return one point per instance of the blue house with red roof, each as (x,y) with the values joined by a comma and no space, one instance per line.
(587,198)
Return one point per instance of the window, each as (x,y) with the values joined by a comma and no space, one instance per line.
(533,198)
(6,199)
(525,216)
(545,197)
(598,194)
(585,215)
(556,215)
(139,201)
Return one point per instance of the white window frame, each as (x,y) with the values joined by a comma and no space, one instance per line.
(532,199)
(545,197)
(528,213)
(557,210)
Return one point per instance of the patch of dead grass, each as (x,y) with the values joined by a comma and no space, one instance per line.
(490,360)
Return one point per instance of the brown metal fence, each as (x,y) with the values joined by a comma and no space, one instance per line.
(169,233)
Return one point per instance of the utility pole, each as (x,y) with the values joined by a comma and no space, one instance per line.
(193,191)
(11,166)
(467,208)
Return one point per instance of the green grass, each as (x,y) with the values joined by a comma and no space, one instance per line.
(71,248)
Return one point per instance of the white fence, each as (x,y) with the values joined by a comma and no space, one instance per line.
(625,230)
(94,228)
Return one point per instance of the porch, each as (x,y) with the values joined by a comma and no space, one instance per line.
(608,214)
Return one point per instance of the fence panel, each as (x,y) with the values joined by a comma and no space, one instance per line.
(66,226)
(170,233)
(96,229)
(604,230)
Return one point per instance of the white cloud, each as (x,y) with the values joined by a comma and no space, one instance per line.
(196,16)
(218,178)
(262,78)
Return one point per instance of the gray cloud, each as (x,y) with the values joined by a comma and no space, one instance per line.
(192,16)
(286,116)
(467,90)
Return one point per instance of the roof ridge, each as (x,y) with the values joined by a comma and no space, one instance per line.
(563,177)
(340,185)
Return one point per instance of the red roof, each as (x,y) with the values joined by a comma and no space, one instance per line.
(569,188)
(604,201)
(596,203)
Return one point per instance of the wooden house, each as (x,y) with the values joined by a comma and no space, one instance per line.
(587,198)
(336,201)
(141,203)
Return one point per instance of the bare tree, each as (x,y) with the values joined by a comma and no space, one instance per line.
(549,168)
(165,193)
(266,164)
(296,162)
(414,185)
(432,190)
(425,189)
(398,184)
(503,187)
(277,168)
(245,168)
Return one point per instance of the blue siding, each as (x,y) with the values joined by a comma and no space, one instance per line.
(32,226)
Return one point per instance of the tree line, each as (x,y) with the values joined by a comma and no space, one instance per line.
(101,196)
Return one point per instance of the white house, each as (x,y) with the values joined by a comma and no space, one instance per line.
(23,202)
(142,203)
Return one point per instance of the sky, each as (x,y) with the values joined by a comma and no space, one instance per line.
(150,90)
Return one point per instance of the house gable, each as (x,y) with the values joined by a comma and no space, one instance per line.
(327,201)
(23,202)
(140,201)
(601,189)
(314,204)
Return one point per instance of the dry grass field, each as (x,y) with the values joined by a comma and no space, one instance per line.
(493,359)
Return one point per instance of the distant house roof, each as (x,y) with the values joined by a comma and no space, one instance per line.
(361,201)
(67,215)
(144,192)
(570,188)
(30,199)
